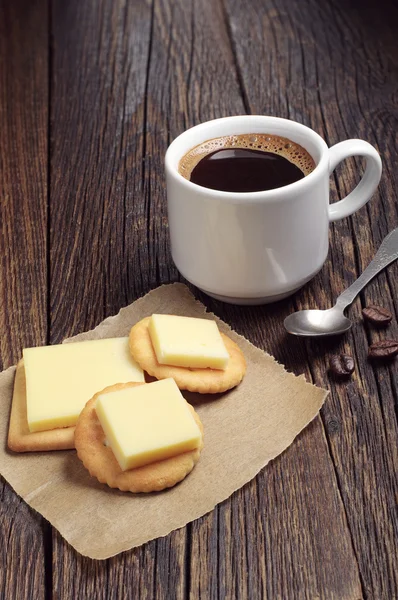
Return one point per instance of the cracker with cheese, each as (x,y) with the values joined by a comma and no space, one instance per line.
(53,384)
(139,425)
(178,343)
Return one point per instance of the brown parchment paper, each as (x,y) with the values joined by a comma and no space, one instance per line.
(244,429)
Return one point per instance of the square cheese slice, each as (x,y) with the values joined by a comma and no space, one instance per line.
(187,342)
(60,379)
(147,423)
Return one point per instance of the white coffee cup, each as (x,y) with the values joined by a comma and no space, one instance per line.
(259,247)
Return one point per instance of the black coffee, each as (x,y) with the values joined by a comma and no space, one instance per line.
(244,170)
(246,163)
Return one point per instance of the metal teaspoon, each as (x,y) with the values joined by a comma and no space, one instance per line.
(332,321)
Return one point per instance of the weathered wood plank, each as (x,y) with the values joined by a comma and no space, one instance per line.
(343,98)
(100,56)
(23,285)
(156,569)
(366,453)
(23,167)
(103,231)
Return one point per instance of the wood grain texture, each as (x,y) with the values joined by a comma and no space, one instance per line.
(23,183)
(98,229)
(104,231)
(343,98)
(23,244)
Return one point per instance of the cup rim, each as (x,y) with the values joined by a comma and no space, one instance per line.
(259,196)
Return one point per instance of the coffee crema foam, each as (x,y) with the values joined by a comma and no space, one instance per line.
(265,142)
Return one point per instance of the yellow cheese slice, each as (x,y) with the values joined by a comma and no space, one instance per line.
(60,379)
(147,423)
(187,342)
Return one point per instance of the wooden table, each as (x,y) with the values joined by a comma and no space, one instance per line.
(91,94)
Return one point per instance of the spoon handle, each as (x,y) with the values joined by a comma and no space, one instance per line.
(386,254)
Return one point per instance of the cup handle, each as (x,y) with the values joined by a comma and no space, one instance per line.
(369,182)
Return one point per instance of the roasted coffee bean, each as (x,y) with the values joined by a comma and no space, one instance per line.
(377,315)
(385,349)
(342,365)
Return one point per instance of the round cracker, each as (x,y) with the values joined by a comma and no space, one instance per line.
(204,381)
(101,463)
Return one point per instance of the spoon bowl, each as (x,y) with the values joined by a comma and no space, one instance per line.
(314,323)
